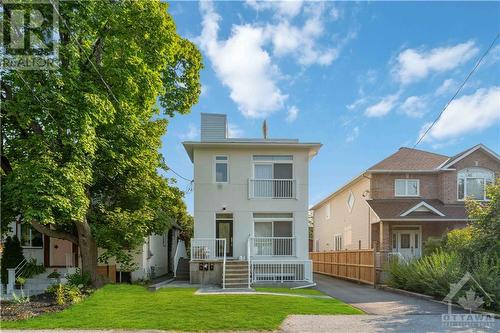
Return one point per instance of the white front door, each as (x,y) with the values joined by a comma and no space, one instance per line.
(407,243)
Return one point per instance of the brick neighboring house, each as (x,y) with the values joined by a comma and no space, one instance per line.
(398,203)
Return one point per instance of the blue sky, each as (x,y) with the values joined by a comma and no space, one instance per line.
(361,78)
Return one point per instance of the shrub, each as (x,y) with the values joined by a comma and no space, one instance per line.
(12,255)
(432,244)
(64,293)
(54,275)
(79,279)
(31,269)
(460,241)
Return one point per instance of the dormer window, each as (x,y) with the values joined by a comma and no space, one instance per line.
(407,188)
(472,182)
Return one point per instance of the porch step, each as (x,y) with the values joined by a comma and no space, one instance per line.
(182,272)
(236,285)
(236,274)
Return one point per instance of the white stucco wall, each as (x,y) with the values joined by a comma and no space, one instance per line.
(210,198)
(158,260)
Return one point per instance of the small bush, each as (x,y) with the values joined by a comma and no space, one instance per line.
(64,293)
(32,269)
(79,279)
(432,245)
(12,255)
(54,275)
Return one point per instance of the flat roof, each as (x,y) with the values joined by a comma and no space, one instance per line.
(313,147)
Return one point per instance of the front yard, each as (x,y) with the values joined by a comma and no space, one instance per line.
(134,307)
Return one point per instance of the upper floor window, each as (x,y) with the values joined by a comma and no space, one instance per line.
(221,169)
(407,188)
(328,210)
(472,183)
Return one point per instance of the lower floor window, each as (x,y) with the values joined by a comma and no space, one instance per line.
(337,243)
(29,237)
(274,238)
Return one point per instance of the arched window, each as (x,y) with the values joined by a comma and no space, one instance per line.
(471,183)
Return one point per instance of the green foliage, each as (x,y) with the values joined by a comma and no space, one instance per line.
(81,143)
(54,275)
(434,273)
(32,269)
(79,279)
(20,280)
(21,298)
(129,307)
(432,245)
(12,255)
(65,293)
(460,241)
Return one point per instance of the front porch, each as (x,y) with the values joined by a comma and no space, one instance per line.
(407,238)
(267,260)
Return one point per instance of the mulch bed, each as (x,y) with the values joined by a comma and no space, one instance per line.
(39,304)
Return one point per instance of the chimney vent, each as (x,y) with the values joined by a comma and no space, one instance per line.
(264,129)
(213,127)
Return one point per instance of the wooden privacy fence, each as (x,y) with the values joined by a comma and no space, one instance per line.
(356,265)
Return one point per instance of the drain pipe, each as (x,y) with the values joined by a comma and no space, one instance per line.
(306,286)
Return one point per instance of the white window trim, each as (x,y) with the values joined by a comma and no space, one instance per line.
(30,246)
(215,168)
(465,183)
(335,237)
(272,162)
(406,188)
(353,201)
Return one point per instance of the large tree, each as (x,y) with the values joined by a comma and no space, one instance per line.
(80,145)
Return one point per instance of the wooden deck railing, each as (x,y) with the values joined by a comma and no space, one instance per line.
(356,265)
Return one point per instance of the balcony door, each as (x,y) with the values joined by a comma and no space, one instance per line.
(273,180)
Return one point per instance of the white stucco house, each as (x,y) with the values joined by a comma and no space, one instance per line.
(250,207)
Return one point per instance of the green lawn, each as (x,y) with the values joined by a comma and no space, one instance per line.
(133,307)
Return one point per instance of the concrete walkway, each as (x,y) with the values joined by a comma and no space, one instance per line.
(386,312)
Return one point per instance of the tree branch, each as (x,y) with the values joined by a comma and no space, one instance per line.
(54,233)
(6,167)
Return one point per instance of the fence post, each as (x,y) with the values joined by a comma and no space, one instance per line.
(359,264)
(282,272)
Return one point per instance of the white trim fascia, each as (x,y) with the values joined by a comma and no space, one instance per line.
(471,150)
(424,204)
(444,163)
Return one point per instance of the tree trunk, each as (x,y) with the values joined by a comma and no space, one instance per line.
(88,250)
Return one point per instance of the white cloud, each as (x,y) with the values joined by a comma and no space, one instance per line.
(414,106)
(469,113)
(242,65)
(413,65)
(292,114)
(357,103)
(353,135)
(190,134)
(383,107)
(448,86)
(335,13)
(287,9)
(204,89)
(234,131)
(302,42)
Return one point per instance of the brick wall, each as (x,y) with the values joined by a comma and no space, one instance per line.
(382,185)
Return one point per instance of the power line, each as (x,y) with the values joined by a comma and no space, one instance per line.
(458,91)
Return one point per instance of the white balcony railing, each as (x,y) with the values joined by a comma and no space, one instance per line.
(281,271)
(208,248)
(272,246)
(272,188)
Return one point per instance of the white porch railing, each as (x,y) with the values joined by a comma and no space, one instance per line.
(208,248)
(272,188)
(272,246)
(281,271)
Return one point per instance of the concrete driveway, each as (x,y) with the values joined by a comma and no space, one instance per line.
(386,312)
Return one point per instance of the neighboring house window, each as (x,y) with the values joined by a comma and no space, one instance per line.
(221,169)
(30,237)
(472,183)
(350,201)
(327,211)
(337,243)
(407,188)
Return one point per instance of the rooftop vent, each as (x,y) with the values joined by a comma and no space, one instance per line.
(213,127)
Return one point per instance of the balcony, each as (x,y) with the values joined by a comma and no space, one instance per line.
(272,246)
(272,188)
